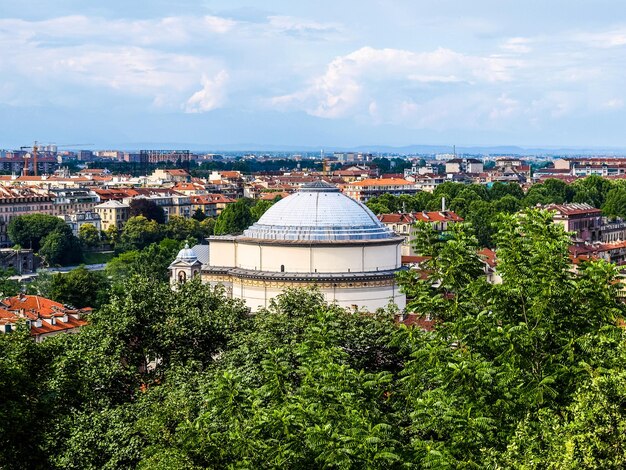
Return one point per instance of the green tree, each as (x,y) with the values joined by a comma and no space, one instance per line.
(61,247)
(508,204)
(147,208)
(41,285)
(111,235)
(151,262)
(138,233)
(501,354)
(28,231)
(259,209)
(499,190)
(482,216)
(199,215)
(207,227)
(235,218)
(89,235)
(551,191)
(79,288)
(8,287)
(377,207)
(179,228)
(23,407)
(615,203)
(591,190)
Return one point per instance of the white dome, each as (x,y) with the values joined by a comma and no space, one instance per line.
(318,212)
(186,254)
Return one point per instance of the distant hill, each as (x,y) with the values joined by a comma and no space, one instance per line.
(386,149)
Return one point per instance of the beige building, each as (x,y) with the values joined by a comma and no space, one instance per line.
(113,213)
(366,189)
(16,201)
(403,224)
(315,237)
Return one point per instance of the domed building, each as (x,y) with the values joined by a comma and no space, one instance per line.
(317,236)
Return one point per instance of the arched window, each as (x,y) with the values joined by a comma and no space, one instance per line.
(182,276)
(282,268)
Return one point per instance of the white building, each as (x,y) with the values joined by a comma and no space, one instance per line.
(78,219)
(315,237)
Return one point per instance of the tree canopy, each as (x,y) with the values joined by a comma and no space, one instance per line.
(235,218)
(148,209)
(527,373)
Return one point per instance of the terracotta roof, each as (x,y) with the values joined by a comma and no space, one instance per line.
(211,199)
(188,187)
(574,209)
(34,308)
(420,321)
(230,174)
(176,172)
(380,182)
(410,259)
(412,217)
(272,196)
(41,305)
(488,256)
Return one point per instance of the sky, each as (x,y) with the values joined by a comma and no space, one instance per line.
(339,73)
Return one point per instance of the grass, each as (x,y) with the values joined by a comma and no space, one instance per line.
(97,257)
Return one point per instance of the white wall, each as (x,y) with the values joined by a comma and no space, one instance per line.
(311,259)
(369,298)
(222,253)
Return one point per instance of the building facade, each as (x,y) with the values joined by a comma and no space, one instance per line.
(20,201)
(78,219)
(584,220)
(366,189)
(403,224)
(113,213)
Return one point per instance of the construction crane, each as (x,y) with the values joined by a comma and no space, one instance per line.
(35,148)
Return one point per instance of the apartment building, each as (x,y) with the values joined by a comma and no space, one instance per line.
(20,201)
(112,214)
(584,220)
(366,189)
(73,200)
(403,224)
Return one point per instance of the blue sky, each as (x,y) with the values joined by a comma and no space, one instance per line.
(319,74)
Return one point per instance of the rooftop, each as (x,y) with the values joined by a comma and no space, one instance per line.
(318,212)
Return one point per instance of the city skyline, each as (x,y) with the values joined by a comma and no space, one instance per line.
(340,74)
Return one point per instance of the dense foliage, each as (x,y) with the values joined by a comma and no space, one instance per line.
(48,236)
(148,209)
(237,217)
(482,205)
(528,373)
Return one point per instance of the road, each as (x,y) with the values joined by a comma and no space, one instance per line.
(28,277)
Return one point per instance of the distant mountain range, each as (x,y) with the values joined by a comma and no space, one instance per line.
(385,149)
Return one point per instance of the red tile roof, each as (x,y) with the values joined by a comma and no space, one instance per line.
(211,199)
(575,209)
(488,256)
(412,217)
(380,182)
(49,313)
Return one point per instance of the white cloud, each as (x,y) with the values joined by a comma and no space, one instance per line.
(614,103)
(349,80)
(603,39)
(211,96)
(517,45)
(167,30)
(302,28)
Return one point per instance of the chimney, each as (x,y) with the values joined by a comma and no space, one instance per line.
(443,204)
